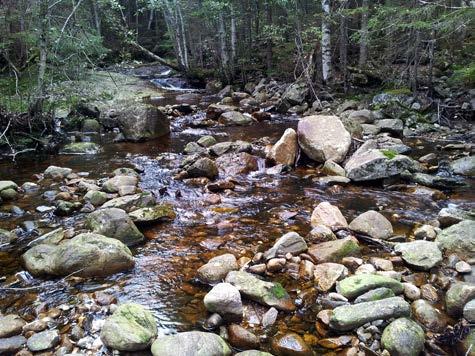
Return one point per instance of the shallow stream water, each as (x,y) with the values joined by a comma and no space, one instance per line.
(247,221)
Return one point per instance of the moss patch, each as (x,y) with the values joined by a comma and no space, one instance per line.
(278,291)
(389,154)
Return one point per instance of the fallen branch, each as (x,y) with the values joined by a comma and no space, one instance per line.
(153,55)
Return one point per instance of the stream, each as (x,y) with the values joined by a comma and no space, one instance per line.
(248,220)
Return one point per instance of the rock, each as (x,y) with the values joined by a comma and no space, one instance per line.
(326,275)
(458,239)
(323,138)
(348,317)
(130,328)
(469,311)
(125,171)
(192,148)
(42,341)
(154,214)
(206,141)
(276,264)
(321,233)
(65,208)
(86,254)
(131,202)
(217,268)
(403,337)
(328,215)
(91,125)
(10,345)
(356,285)
(96,198)
(233,164)
(333,169)
(411,292)
(464,166)
(253,353)
(394,126)
(420,254)
(362,116)
(114,223)
(457,296)
(425,232)
(428,316)
(372,164)
(241,338)
(466,346)
(214,111)
(373,224)
(381,264)
(11,325)
(203,167)
(285,150)
(463,267)
(296,93)
(290,344)
(8,194)
(266,293)
(375,294)
(51,238)
(57,173)
(139,121)
(224,299)
(114,184)
(81,148)
(291,242)
(451,216)
(235,118)
(270,317)
(8,185)
(334,251)
(192,343)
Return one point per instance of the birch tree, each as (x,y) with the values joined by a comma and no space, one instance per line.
(326,42)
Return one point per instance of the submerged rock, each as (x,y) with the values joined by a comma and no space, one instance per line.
(224,299)
(420,254)
(114,223)
(81,148)
(192,343)
(457,296)
(458,239)
(266,293)
(403,337)
(356,285)
(290,344)
(241,338)
(348,317)
(285,150)
(373,224)
(130,328)
(85,255)
(428,316)
(217,268)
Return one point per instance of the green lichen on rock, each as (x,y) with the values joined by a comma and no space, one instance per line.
(356,285)
(278,291)
(389,154)
(403,337)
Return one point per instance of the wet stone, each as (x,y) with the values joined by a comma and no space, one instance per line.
(217,268)
(403,337)
(428,316)
(290,344)
(291,242)
(457,296)
(270,317)
(192,343)
(43,341)
(241,338)
(375,294)
(11,345)
(356,285)
(154,214)
(11,325)
(334,251)
(224,299)
(469,311)
(373,224)
(253,353)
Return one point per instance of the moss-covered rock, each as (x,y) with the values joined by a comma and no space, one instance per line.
(403,337)
(192,343)
(356,285)
(459,239)
(89,148)
(457,296)
(153,214)
(130,328)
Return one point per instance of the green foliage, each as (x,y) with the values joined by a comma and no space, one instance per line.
(464,77)
(390,154)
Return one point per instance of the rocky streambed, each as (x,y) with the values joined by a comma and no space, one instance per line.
(327,232)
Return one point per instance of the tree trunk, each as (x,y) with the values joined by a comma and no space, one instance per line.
(269,40)
(326,42)
(222,46)
(154,56)
(184,46)
(364,35)
(97,17)
(344,46)
(233,40)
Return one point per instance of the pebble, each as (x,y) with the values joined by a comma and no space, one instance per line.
(411,291)
(366,268)
(463,267)
(270,317)
(381,264)
(429,293)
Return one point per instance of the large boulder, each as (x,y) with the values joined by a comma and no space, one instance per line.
(139,121)
(403,337)
(217,268)
(420,254)
(130,328)
(225,300)
(348,317)
(323,138)
(334,251)
(191,343)
(373,224)
(371,162)
(85,255)
(356,285)
(266,293)
(458,239)
(285,150)
(114,223)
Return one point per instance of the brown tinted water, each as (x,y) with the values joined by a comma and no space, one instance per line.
(247,221)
